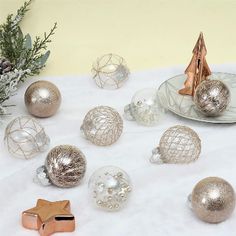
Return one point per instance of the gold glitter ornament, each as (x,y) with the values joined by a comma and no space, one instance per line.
(25,137)
(42,99)
(178,145)
(65,166)
(213,200)
(102,126)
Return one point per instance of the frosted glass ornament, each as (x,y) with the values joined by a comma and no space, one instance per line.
(25,137)
(110,188)
(145,108)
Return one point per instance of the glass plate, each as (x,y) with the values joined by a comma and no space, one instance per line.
(184,106)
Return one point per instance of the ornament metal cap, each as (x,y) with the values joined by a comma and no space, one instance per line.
(128,113)
(156,156)
(41,176)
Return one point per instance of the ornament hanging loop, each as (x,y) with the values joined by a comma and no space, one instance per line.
(156,156)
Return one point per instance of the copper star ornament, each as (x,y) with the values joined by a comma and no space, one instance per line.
(49,217)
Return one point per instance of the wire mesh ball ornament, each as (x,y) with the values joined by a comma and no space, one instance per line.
(102,126)
(110,188)
(65,166)
(42,99)
(212,200)
(25,137)
(110,71)
(178,145)
(212,97)
(145,108)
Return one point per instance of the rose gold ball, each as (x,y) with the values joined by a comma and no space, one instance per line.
(213,200)
(42,99)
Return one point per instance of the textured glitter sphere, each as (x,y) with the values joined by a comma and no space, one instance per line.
(110,188)
(178,145)
(213,200)
(110,71)
(25,137)
(145,108)
(42,99)
(65,166)
(212,97)
(102,125)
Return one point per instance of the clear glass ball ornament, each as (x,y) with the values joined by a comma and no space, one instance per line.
(178,145)
(110,188)
(25,137)
(102,126)
(212,200)
(110,71)
(212,97)
(145,108)
(65,167)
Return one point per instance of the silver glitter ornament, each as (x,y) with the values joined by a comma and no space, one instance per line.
(42,99)
(178,145)
(25,137)
(110,188)
(213,200)
(212,97)
(65,166)
(110,71)
(145,108)
(102,125)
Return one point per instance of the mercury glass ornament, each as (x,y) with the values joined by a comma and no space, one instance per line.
(25,137)
(212,97)
(178,145)
(64,167)
(145,107)
(213,200)
(42,99)
(102,125)
(110,188)
(110,71)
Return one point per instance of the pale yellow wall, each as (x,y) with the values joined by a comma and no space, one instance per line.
(147,33)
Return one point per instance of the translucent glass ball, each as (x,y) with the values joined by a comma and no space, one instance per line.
(110,188)
(145,107)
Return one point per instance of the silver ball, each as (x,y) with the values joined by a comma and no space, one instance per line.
(102,125)
(42,99)
(110,71)
(213,200)
(65,166)
(25,137)
(212,97)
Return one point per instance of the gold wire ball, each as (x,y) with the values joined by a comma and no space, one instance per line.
(25,137)
(110,71)
(178,145)
(102,126)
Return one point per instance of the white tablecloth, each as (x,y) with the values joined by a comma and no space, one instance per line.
(158,203)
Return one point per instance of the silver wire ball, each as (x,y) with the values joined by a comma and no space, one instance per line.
(212,97)
(102,126)
(25,137)
(110,188)
(178,145)
(110,71)
(65,166)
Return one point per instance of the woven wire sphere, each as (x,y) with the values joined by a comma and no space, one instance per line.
(25,137)
(178,145)
(110,71)
(102,126)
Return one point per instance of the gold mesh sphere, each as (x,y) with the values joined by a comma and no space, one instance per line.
(102,126)
(178,145)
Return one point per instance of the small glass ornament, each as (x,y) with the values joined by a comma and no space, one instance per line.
(42,99)
(110,71)
(212,200)
(25,137)
(178,145)
(110,188)
(212,97)
(102,126)
(65,166)
(145,108)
